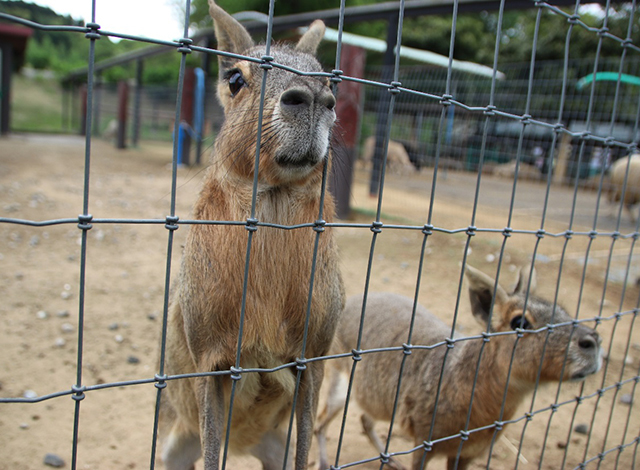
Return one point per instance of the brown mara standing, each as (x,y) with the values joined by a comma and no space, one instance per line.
(204,314)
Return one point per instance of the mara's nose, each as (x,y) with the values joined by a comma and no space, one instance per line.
(299,98)
(589,341)
(296,98)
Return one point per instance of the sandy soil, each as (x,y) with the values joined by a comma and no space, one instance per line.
(41,178)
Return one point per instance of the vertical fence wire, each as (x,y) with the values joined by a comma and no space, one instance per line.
(85,225)
(171,225)
(251,229)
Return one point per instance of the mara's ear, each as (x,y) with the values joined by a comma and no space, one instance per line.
(311,39)
(230,34)
(481,290)
(523,281)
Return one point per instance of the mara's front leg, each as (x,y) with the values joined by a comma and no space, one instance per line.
(210,397)
(306,408)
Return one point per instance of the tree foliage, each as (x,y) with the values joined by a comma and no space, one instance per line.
(475,38)
(476,35)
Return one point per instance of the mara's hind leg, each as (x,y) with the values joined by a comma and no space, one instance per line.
(336,396)
(368,426)
(211,402)
(306,409)
(270,450)
(181,448)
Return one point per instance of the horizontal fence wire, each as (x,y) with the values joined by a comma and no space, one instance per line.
(392,95)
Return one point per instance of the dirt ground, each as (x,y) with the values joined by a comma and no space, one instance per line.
(41,178)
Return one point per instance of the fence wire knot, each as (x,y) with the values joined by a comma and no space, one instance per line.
(252,224)
(84,221)
(541,233)
(376,226)
(427,229)
(92,31)
(185,45)
(319,224)
(427,445)
(446,100)
(160,381)
(356,355)
(586,135)
(301,363)
(486,337)
(384,457)
(407,348)
(490,110)
(573,19)
(499,425)
(464,435)
(394,88)
(236,373)
(78,392)
(568,234)
(507,232)
(471,230)
(450,342)
(172,222)
(336,76)
(525,119)
(266,62)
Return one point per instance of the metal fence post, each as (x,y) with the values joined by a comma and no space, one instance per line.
(347,134)
(123,98)
(383,108)
(136,106)
(186,114)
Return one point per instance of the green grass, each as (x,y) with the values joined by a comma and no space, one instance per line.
(36,105)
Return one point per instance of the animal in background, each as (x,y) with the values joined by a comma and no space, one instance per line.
(386,323)
(398,160)
(617,173)
(204,314)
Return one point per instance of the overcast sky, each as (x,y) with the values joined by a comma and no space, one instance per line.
(158,19)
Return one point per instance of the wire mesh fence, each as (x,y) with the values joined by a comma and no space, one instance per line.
(536,118)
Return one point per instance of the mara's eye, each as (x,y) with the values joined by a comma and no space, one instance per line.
(236,82)
(520,321)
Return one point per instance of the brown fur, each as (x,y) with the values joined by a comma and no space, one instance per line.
(386,323)
(397,157)
(204,315)
(618,172)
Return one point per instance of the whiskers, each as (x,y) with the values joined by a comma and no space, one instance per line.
(343,164)
(245,154)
